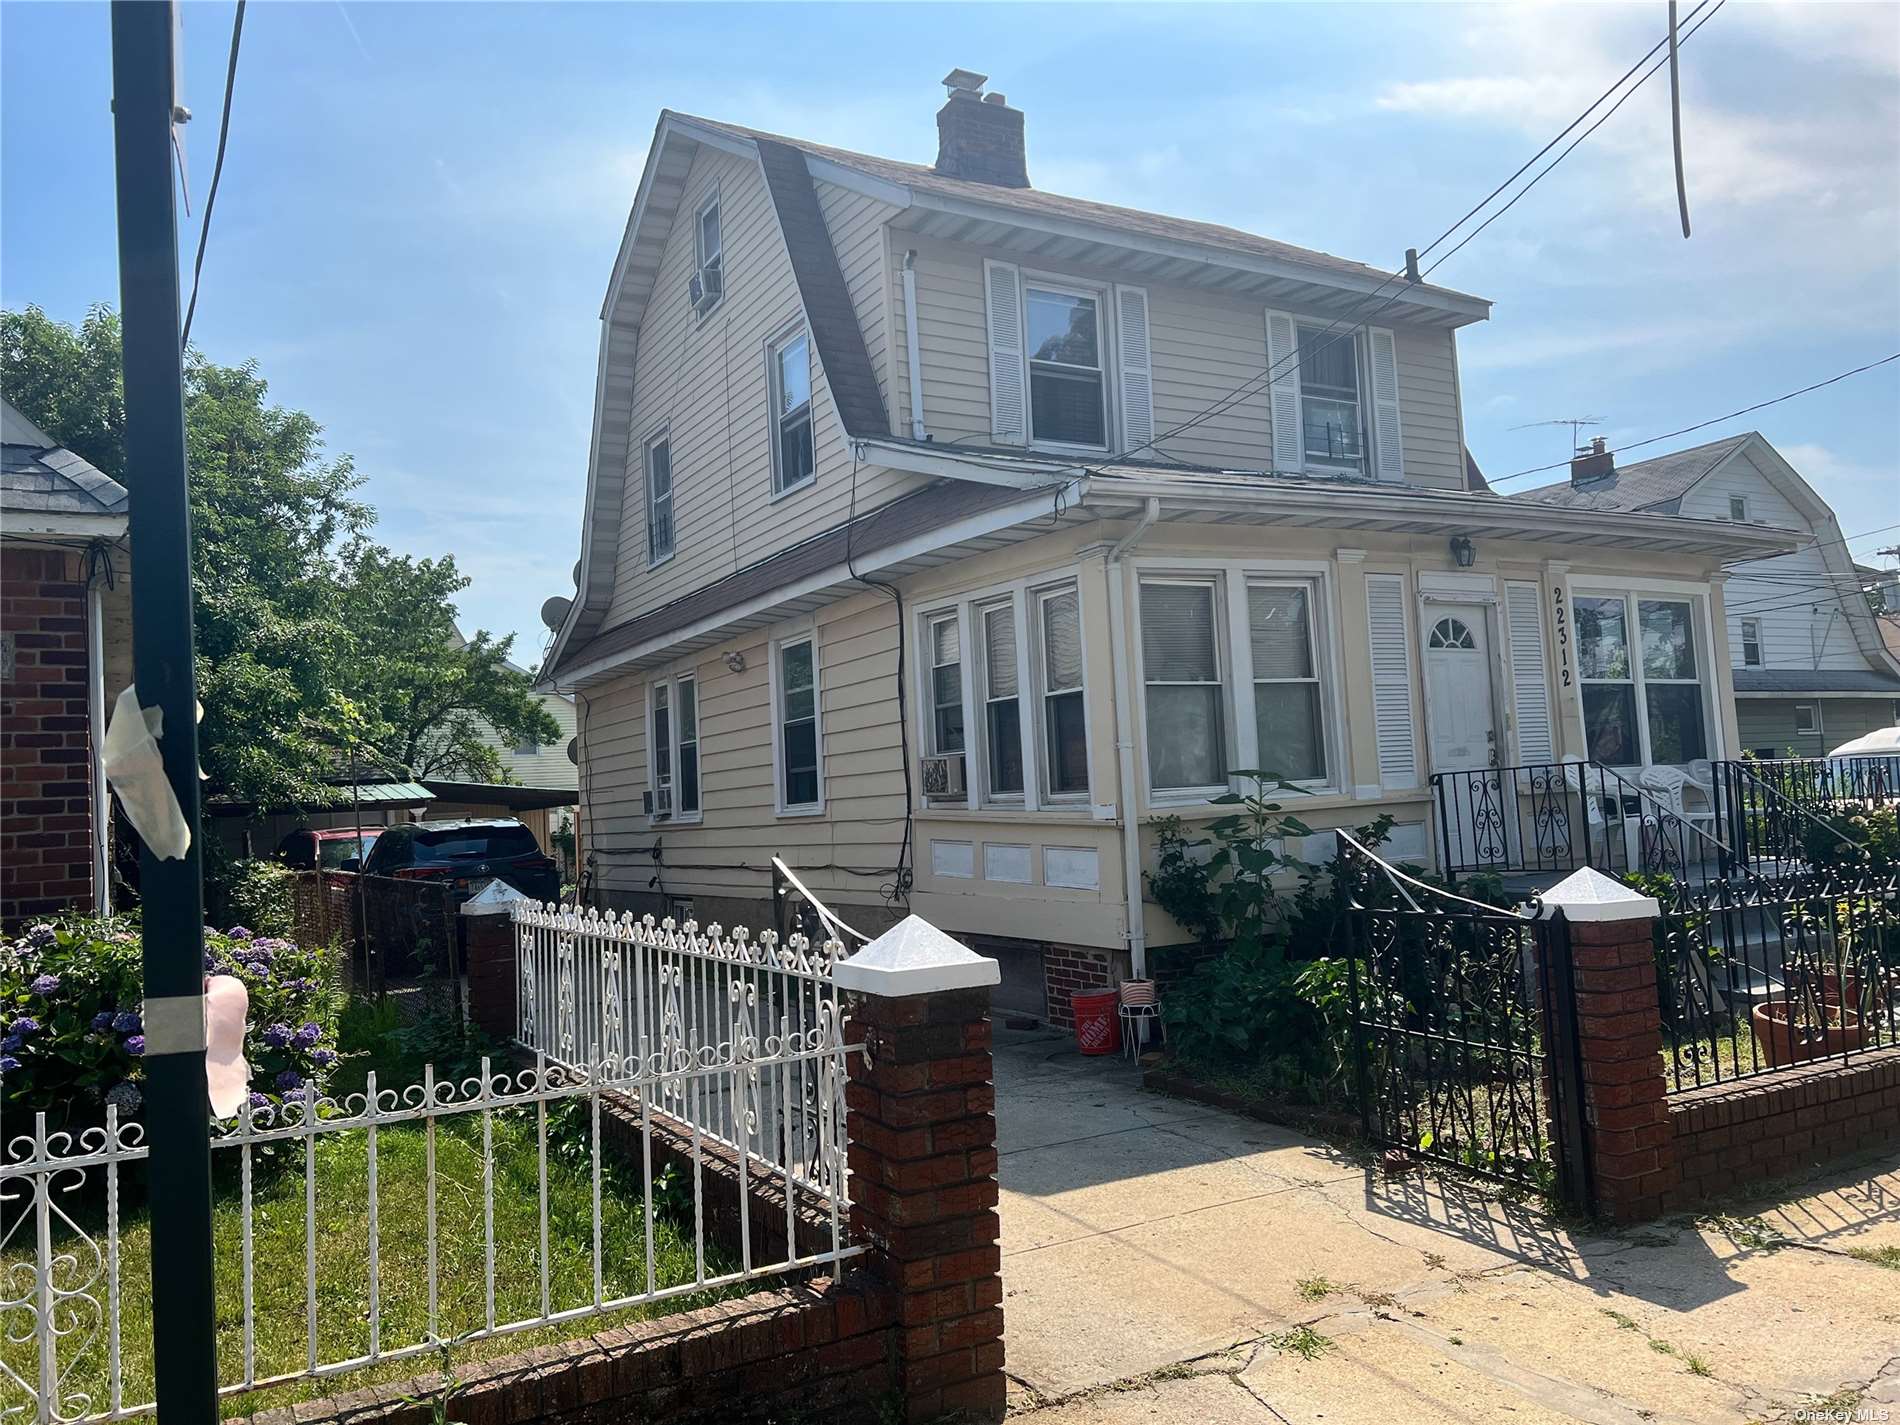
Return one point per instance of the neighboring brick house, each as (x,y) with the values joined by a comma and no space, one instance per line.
(65,648)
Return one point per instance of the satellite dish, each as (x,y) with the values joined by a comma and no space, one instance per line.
(577,573)
(574,750)
(554,611)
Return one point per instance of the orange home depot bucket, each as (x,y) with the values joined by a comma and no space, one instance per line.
(1097,1029)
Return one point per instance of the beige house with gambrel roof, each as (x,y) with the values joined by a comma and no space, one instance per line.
(941,533)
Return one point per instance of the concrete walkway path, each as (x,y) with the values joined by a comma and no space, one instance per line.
(1165,1262)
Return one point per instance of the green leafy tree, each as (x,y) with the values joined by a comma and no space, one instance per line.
(296,609)
(431,698)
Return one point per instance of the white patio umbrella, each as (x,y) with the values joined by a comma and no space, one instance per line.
(1883,742)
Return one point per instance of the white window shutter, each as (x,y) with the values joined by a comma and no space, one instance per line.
(1391,645)
(1288,444)
(1008,388)
(1389,447)
(1137,368)
(1530,688)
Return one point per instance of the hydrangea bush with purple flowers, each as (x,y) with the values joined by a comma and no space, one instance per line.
(72,1032)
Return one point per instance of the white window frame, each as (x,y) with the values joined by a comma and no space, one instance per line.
(1322,679)
(709,203)
(773,346)
(660,435)
(1742,501)
(1061,286)
(979,675)
(1751,635)
(1233,650)
(1024,596)
(930,704)
(670,685)
(1697,597)
(1362,369)
(776,691)
(1042,693)
(1814,719)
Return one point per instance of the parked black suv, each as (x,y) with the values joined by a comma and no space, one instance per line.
(466,853)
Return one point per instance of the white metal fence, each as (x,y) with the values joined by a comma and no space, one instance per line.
(610,988)
(707,1042)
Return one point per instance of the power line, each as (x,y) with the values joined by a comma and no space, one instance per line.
(217,171)
(1299,354)
(1807,544)
(1702,425)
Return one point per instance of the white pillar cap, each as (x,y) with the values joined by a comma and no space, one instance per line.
(913,957)
(495,898)
(1589,895)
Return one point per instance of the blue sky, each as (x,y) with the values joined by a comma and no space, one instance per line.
(422,202)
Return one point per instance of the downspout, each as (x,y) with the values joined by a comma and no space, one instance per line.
(1125,694)
(96,720)
(910,347)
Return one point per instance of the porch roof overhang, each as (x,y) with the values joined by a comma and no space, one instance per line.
(1204,495)
(948,521)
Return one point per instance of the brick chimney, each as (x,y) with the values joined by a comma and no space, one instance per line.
(979,137)
(1593,464)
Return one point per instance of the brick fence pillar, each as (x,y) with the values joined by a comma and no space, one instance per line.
(493,976)
(921,1130)
(1629,1138)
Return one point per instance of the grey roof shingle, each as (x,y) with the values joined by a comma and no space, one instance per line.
(1655,485)
(1825,680)
(53,480)
(1035,202)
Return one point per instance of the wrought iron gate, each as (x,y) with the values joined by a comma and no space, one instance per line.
(1464,1029)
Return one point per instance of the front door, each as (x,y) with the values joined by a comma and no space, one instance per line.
(1458,711)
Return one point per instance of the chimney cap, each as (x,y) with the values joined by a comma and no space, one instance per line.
(965,80)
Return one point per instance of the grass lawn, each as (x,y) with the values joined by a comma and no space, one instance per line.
(342,1248)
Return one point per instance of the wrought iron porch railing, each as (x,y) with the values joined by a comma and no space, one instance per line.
(1556,817)
(1782,816)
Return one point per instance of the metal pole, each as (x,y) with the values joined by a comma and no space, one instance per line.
(177,1102)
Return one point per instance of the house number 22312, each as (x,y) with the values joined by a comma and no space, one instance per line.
(1561,617)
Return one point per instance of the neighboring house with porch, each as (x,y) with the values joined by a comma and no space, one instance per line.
(942,533)
(1809,664)
(65,653)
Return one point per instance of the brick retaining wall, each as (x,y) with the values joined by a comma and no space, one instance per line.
(1727,1135)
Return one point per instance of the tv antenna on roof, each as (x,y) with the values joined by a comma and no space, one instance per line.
(1576,423)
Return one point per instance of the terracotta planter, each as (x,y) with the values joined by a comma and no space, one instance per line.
(1782,1041)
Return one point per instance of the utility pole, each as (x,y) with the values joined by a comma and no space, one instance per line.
(184,1313)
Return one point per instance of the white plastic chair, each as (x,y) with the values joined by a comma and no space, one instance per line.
(1597,830)
(1673,787)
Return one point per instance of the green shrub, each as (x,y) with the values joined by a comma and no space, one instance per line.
(1852,835)
(256,892)
(72,996)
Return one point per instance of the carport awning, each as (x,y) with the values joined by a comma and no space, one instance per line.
(503,794)
(384,796)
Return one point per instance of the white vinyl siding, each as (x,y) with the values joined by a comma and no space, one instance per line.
(707,381)
(1390,645)
(1530,684)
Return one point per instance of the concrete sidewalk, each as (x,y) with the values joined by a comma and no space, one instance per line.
(1167,1262)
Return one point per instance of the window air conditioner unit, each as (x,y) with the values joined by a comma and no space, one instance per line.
(704,286)
(660,803)
(943,776)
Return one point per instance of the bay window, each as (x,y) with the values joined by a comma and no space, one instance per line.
(1002,705)
(1289,731)
(1181,669)
(1064,715)
(946,684)
(1068,391)
(1642,693)
(795,720)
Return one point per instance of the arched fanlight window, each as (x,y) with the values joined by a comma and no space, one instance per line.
(1451,633)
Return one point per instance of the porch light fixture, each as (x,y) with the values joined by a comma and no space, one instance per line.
(1463,551)
(736,662)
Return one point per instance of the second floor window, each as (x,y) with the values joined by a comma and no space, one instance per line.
(1751,643)
(659,499)
(1180,658)
(792,456)
(1330,412)
(1068,403)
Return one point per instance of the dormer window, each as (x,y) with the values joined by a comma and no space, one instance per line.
(709,279)
(1067,389)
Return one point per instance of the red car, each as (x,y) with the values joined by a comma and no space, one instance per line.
(310,848)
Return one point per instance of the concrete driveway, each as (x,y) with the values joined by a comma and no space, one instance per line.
(1168,1262)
